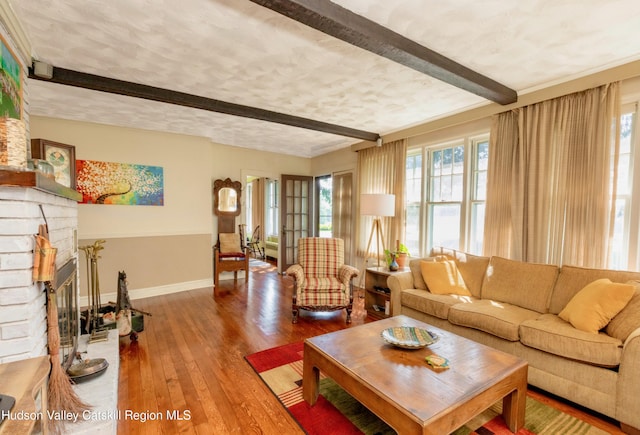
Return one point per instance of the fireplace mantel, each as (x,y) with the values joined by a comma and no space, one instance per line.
(37,181)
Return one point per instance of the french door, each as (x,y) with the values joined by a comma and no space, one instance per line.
(295,216)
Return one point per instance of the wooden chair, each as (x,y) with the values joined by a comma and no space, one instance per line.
(322,282)
(255,245)
(229,256)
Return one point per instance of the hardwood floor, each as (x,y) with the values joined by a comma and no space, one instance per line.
(189,360)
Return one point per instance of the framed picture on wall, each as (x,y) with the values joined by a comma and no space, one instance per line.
(61,156)
(11,89)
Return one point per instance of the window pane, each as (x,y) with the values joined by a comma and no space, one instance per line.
(412,228)
(623,174)
(325,187)
(458,160)
(626,124)
(435,190)
(482,155)
(445,225)
(477,228)
(480,186)
(618,254)
(445,188)
(436,163)
(447,160)
(458,184)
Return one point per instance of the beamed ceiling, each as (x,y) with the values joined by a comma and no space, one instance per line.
(307,77)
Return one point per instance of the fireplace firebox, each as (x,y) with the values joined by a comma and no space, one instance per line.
(66,285)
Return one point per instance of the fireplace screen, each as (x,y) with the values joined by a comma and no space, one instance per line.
(68,311)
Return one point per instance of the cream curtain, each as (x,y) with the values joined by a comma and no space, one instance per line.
(342,215)
(257,204)
(552,169)
(382,170)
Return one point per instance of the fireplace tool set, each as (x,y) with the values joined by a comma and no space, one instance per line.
(100,319)
(94,324)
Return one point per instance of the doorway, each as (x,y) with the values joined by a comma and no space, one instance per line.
(261,216)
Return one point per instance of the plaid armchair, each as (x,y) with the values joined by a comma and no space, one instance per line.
(322,282)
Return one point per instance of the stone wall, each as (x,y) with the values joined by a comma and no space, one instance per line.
(22,302)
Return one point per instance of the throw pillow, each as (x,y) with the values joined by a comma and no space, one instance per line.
(229,243)
(443,278)
(628,320)
(593,307)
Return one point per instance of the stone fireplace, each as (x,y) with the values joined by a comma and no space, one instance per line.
(24,198)
(23,302)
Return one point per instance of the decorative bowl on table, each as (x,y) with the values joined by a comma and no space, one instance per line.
(409,337)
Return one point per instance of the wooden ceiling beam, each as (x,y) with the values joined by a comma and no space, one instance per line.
(357,30)
(105,84)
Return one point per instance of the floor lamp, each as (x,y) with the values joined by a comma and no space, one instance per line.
(378,205)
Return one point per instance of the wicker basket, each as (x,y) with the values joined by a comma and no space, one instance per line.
(13,143)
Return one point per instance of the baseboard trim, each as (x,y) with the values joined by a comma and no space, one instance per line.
(153,291)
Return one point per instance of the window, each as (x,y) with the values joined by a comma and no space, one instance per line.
(272,208)
(478,194)
(449,212)
(413,198)
(624,245)
(324,206)
(445,195)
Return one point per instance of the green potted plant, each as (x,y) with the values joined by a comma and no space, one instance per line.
(401,253)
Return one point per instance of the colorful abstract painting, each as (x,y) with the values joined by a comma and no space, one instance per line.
(119,183)
(10,75)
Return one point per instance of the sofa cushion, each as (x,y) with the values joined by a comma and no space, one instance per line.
(432,304)
(499,319)
(443,278)
(572,279)
(628,320)
(593,307)
(416,272)
(551,334)
(527,285)
(472,268)
(229,243)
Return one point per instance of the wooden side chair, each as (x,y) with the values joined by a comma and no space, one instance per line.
(255,244)
(322,282)
(229,256)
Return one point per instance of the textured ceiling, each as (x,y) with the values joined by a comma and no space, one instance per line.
(237,51)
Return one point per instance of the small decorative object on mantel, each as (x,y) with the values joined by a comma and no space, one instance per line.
(62,158)
(13,143)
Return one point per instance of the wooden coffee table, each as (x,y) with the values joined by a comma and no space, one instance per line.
(399,387)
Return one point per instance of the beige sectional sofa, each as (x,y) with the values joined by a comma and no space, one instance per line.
(513,306)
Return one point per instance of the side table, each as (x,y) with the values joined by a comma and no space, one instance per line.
(25,380)
(375,279)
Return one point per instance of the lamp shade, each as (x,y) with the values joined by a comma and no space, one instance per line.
(377,204)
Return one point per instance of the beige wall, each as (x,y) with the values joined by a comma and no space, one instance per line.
(162,248)
(336,161)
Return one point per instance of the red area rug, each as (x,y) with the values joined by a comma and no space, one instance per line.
(336,412)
